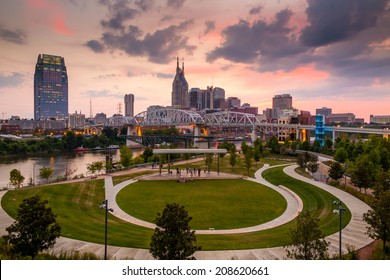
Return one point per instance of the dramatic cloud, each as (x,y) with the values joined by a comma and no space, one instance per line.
(255,10)
(119,13)
(332,21)
(159,46)
(96,46)
(144,5)
(13,80)
(248,43)
(176,4)
(210,26)
(14,36)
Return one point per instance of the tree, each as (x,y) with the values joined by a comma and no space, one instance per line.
(341,155)
(303,159)
(313,164)
(16,178)
(248,158)
(69,170)
(173,239)
(233,156)
(45,172)
(126,155)
(307,240)
(96,166)
(363,172)
(35,228)
(273,145)
(336,170)
(379,218)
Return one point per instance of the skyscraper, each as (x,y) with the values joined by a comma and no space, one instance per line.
(129,105)
(180,97)
(50,88)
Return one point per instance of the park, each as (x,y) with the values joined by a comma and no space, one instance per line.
(215,202)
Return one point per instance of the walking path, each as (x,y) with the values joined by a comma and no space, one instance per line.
(353,234)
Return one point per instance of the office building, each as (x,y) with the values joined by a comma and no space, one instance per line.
(180,97)
(341,118)
(50,88)
(129,105)
(76,120)
(282,101)
(233,102)
(324,111)
(380,119)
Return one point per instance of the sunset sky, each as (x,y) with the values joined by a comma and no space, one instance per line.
(333,53)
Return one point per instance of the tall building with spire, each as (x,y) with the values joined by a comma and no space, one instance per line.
(50,88)
(180,96)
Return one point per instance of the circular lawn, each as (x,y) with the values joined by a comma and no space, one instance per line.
(217,204)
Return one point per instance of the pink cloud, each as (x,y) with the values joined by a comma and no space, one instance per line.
(54,15)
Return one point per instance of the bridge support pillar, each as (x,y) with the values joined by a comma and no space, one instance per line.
(254,135)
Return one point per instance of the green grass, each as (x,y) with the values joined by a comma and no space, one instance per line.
(219,204)
(77,207)
(314,199)
(121,178)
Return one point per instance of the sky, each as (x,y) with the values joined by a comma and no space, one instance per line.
(324,53)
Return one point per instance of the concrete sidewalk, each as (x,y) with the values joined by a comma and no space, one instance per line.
(353,234)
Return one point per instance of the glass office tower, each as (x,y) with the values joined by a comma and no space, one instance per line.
(50,88)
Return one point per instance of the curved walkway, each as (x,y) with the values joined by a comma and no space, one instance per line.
(294,204)
(353,234)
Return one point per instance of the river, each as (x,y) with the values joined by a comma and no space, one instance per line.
(29,165)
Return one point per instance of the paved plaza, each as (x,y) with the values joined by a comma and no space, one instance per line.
(353,233)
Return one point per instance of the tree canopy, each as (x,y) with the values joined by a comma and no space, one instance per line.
(16,178)
(173,238)
(307,239)
(35,228)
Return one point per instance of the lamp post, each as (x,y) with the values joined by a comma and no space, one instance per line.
(339,211)
(105,206)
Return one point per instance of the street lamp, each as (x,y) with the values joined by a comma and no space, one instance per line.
(339,211)
(105,206)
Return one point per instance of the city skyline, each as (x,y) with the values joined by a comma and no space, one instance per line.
(322,52)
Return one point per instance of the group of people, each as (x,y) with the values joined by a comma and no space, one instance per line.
(191,171)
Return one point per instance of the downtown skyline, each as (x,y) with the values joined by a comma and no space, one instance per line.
(324,53)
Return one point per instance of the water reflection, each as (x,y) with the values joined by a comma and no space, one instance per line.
(61,163)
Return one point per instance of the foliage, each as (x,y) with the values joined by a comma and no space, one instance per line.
(45,172)
(173,239)
(138,160)
(126,156)
(363,172)
(303,159)
(35,228)
(273,145)
(307,240)
(96,166)
(379,218)
(15,178)
(233,156)
(248,158)
(313,164)
(336,170)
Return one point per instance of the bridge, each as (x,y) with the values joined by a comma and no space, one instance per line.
(200,125)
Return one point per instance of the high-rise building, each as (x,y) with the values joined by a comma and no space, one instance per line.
(50,88)
(129,105)
(233,102)
(180,97)
(282,101)
(76,120)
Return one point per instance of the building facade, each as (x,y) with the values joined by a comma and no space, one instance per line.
(233,102)
(180,97)
(380,119)
(129,105)
(341,118)
(325,111)
(282,101)
(50,88)
(76,120)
